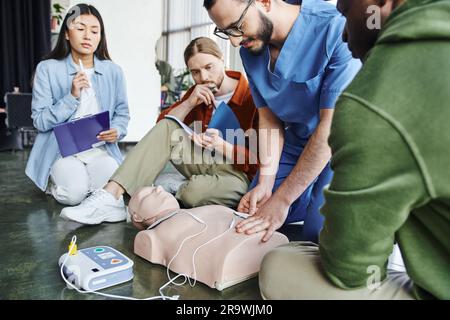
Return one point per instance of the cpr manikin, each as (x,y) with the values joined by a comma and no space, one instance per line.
(201,242)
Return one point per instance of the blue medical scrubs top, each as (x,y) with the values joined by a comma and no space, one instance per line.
(312,70)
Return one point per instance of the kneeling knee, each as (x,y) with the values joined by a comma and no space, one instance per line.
(190,196)
(70,196)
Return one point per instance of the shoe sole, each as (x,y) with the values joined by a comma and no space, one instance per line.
(110,220)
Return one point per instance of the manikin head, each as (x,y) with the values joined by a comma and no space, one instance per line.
(149,204)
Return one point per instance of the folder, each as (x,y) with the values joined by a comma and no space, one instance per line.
(222,119)
(80,135)
(225,119)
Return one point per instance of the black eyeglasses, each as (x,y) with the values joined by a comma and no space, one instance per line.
(235,29)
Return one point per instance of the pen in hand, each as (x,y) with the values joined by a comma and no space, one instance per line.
(79,82)
(214,90)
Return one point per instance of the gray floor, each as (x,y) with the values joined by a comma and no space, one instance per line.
(33,237)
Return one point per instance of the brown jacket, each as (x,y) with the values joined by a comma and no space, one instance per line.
(241,104)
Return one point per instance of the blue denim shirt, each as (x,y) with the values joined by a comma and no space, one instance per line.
(54,104)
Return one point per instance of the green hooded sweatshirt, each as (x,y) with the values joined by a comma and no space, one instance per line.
(391,158)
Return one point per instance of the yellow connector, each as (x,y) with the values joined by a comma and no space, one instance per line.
(73,248)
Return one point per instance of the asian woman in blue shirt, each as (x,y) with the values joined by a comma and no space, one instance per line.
(63,92)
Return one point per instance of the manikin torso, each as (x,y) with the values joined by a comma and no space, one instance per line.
(203,244)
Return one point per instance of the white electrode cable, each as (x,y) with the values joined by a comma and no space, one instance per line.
(171,280)
(194,273)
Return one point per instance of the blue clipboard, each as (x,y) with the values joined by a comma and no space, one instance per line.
(80,135)
(223,119)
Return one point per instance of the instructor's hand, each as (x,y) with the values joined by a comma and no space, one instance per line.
(254,199)
(269,218)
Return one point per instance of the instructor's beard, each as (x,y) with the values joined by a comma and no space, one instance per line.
(264,35)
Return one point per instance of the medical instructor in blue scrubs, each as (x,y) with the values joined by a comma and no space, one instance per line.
(297,65)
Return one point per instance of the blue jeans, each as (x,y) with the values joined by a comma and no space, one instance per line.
(307,207)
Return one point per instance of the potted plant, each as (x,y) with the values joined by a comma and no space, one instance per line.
(57,17)
(183,82)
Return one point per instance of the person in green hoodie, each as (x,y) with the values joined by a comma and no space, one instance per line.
(390,140)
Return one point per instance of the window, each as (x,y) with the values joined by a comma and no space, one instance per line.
(184,21)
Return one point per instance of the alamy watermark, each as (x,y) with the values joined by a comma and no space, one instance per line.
(374,280)
(374,19)
(251,147)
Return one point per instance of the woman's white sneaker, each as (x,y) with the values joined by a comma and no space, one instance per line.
(100,206)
